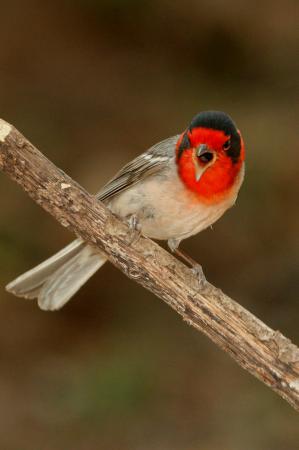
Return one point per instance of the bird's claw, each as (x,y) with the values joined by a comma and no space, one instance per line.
(201,278)
(135,229)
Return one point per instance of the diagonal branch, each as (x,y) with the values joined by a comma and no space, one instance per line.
(265,353)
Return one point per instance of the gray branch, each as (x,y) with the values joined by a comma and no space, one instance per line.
(266,354)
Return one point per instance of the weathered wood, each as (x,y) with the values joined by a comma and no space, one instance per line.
(265,353)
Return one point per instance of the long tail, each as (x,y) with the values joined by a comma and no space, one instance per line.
(57,279)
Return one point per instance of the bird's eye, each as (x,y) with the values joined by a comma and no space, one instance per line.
(226,145)
(206,157)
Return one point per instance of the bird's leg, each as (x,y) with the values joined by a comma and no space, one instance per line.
(173,244)
(196,268)
(135,228)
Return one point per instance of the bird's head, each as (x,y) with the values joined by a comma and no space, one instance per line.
(209,155)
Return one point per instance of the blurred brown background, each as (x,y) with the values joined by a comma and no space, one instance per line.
(92,84)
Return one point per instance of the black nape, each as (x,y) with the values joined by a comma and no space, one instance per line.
(218,120)
(184,145)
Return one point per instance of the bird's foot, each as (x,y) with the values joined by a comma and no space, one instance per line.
(195,268)
(201,278)
(135,229)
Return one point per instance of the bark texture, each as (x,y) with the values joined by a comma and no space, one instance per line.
(263,352)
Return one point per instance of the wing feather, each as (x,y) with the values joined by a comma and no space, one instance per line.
(152,161)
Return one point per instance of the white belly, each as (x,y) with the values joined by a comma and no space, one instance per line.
(166,209)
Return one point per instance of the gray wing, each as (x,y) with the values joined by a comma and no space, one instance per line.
(152,161)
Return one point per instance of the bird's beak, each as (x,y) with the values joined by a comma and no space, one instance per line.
(203,148)
(198,172)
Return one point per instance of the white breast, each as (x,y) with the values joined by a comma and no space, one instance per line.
(166,209)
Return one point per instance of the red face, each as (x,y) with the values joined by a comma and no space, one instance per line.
(209,162)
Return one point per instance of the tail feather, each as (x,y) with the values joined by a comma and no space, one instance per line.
(58,278)
(28,284)
(67,280)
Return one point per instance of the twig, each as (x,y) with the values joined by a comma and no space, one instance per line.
(265,353)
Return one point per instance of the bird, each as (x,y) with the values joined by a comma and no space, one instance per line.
(177,188)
